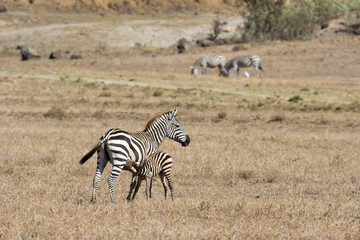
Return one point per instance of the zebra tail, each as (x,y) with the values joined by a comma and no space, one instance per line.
(89,154)
(103,139)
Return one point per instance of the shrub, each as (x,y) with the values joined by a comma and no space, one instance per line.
(234,37)
(139,46)
(55,113)
(338,109)
(78,80)
(101,46)
(276,19)
(295,99)
(222,115)
(157,93)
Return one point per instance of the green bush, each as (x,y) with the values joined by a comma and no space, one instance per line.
(295,98)
(284,20)
(157,93)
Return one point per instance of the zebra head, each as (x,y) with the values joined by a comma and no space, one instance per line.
(175,131)
(224,73)
(194,71)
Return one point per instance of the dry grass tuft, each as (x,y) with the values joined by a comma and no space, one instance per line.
(56,113)
(276,118)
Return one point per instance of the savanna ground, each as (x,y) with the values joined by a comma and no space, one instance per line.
(276,157)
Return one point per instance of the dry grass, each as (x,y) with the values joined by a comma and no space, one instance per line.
(273,170)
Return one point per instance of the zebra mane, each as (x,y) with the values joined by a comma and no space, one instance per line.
(151,120)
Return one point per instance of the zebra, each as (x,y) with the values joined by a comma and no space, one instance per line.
(158,163)
(117,146)
(243,62)
(209,61)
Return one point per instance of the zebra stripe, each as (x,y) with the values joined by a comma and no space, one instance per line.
(209,61)
(117,146)
(158,163)
(244,62)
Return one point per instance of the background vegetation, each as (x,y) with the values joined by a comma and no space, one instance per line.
(290,20)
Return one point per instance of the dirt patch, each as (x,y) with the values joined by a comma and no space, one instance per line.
(126,7)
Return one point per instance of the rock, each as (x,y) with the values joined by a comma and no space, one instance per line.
(181,45)
(27,53)
(324,25)
(55,55)
(205,43)
(3,9)
(75,56)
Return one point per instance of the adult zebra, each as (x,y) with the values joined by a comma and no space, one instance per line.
(209,61)
(243,62)
(118,146)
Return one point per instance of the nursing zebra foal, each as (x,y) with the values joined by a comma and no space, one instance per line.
(158,163)
(209,61)
(118,146)
(244,62)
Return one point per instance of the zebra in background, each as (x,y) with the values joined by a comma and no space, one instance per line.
(158,163)
(118,146)
(209,61)
(244,62)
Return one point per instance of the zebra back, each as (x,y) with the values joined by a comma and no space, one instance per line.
(243,62)
(208,61)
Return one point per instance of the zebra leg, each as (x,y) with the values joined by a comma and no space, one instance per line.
(203,70)
(220,70)
(138,183)
(258,70)
(132,185)
(148,187)
(163,181)
(116,169)
(101,164)
(168,178)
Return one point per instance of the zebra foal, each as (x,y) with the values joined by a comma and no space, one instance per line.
(210,62)
(117,146)
(158,163)
(244,62)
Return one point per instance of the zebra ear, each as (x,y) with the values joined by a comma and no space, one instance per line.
(173,114)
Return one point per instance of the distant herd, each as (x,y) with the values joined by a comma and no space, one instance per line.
(220,62)
(203,62)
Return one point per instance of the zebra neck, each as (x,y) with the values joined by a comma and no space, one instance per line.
(228,66)
(157,133)
(197,64)
(157,128)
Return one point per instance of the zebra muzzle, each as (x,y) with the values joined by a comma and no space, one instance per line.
(187,141)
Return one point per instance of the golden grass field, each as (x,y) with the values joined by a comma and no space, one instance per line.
(258,166)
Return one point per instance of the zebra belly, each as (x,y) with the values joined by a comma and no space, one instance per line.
(211,65)
(242,65)
(121,150)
